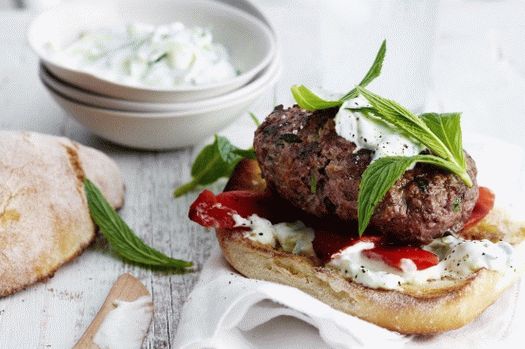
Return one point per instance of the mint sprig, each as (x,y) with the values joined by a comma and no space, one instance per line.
(381,175)
(440,133)
(120,236)
(447,127)
(255,119)
(215,161)
(308,100)
(377,179)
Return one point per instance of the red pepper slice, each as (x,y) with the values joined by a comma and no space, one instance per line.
(208,212)
(216,211)
(328,242)
(247,202)
(392,255)
(483,206)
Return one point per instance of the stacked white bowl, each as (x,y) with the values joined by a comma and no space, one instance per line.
(158,118)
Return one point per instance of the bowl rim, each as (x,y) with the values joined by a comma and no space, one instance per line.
(166,115)
(31,38)
(264,75)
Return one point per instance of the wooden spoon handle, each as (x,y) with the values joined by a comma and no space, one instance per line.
(126,288)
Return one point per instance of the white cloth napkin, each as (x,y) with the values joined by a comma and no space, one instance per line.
(227,310)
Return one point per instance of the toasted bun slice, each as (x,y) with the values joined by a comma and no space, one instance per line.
(435,307)
(44,217)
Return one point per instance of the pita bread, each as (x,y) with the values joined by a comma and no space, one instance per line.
(44,217)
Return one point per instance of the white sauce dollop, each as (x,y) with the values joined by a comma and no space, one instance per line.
(125,326)
(366,271)
(372,134)
(164,56)
(292,237)
(459,258)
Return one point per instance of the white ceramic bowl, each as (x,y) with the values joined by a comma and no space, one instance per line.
(94,100)
(250,42)
(160,130)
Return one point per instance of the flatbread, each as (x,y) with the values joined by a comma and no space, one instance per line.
(422,309)
(44,217)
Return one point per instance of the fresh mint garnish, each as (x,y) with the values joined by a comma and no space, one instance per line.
(308,100)
(381,175)
(313,183)
(255,119)
(120,236)
(440,133)
(215,161)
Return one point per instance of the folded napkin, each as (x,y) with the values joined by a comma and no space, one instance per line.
(227,310)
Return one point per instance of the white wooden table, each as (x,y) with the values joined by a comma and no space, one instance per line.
(478,68)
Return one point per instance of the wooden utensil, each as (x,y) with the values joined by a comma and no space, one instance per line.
(126,288)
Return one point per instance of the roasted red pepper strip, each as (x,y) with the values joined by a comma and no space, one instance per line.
(246,202)
(208,212)
(483,206)
(215,211)
(392,255)
(327,242)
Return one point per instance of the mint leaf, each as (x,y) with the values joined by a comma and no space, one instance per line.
(375,69)
(439,162)
(447,127)
(313,183)
(255,120)
(245,153)
(415,127)
(376,181)
(215,161)
(402,119)
(120,236)
(229,154)
(383,173)
(308,100)
(441,133)
(373,72)
(456,204)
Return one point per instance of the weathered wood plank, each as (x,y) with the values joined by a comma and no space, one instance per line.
(62,307)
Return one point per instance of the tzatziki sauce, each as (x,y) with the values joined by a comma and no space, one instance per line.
(164,56)
(368,132)
(458,258)
(294,237)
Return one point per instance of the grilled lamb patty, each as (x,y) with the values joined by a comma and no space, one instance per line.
(304,160)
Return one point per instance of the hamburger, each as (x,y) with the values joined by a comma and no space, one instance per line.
(370,208)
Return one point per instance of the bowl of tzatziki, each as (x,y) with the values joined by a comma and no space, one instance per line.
(163,129)
(158,51)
